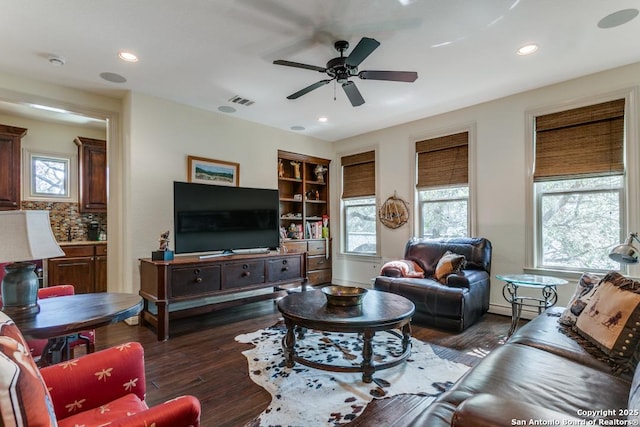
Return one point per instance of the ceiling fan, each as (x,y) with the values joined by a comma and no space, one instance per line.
(342,68)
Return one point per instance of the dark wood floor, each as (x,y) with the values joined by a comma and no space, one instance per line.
(202,358)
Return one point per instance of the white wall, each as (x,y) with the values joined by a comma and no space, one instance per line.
(162,135)
(500,173)
(49,136)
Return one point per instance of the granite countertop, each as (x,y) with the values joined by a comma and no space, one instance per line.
(83,242)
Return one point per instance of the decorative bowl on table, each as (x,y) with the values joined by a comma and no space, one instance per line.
(344,295)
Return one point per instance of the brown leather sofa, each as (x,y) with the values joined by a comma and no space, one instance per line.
(463,297)
(540,375)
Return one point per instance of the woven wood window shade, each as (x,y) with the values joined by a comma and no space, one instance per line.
(443,161)
(359,175)
(587,141)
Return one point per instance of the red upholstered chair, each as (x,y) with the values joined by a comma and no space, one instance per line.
(105,388)
(86,338)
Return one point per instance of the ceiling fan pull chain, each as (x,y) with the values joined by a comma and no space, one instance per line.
(334,90)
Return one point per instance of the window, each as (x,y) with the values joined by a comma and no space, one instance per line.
(359,204)
(48,176)
(579,187)
(442,186)
(443,212)
(360,225)
(579,220)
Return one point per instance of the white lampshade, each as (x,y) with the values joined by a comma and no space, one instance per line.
(26,236)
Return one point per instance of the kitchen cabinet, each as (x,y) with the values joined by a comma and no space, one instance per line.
(92,162)
(84,266)
(10,170)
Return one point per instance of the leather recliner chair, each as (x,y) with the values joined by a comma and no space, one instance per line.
(457,301)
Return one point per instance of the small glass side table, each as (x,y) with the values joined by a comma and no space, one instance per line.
(547,285)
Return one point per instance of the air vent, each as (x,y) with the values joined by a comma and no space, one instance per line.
(240,100)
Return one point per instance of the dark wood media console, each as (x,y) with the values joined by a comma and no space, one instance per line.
(189,279)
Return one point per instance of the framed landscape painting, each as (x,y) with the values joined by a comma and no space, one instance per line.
(211,171)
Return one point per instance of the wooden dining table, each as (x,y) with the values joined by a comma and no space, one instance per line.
(60,319)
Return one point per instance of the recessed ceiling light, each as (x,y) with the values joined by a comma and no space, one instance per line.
(298,128)
(127,56)
(322,119)
(226,109)
(618,18)
(528,49)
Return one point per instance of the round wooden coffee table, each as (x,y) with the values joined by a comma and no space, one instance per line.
(379,311)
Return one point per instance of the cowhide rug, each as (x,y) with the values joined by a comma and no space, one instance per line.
(303,396)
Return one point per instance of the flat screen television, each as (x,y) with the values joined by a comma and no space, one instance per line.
(210,218)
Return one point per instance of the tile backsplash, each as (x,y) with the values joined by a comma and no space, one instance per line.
(66,219)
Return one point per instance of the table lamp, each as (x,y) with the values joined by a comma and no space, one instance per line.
(24,236)
(626,253)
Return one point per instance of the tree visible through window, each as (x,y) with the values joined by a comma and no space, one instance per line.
(360,220)
(579,219)
(443,212)
(49,176)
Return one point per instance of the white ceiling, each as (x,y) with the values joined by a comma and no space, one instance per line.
(203,52)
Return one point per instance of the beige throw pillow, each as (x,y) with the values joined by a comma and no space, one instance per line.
(449,263)
(611,318)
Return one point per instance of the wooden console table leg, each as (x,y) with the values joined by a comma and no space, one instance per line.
(289,344)
(145,309)
(367,354)
(163,320)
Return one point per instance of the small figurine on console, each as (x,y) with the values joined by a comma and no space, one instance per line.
(163,253)
(164,241)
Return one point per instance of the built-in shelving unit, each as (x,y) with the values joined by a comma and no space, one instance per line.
(303,182)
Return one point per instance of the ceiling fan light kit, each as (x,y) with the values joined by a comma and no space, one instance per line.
(341,68)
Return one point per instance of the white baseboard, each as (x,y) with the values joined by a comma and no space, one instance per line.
(505,310)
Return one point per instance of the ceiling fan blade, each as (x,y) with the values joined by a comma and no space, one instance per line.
(353,93)
(363,49)
(308,89)
(395,76)
(299,65)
